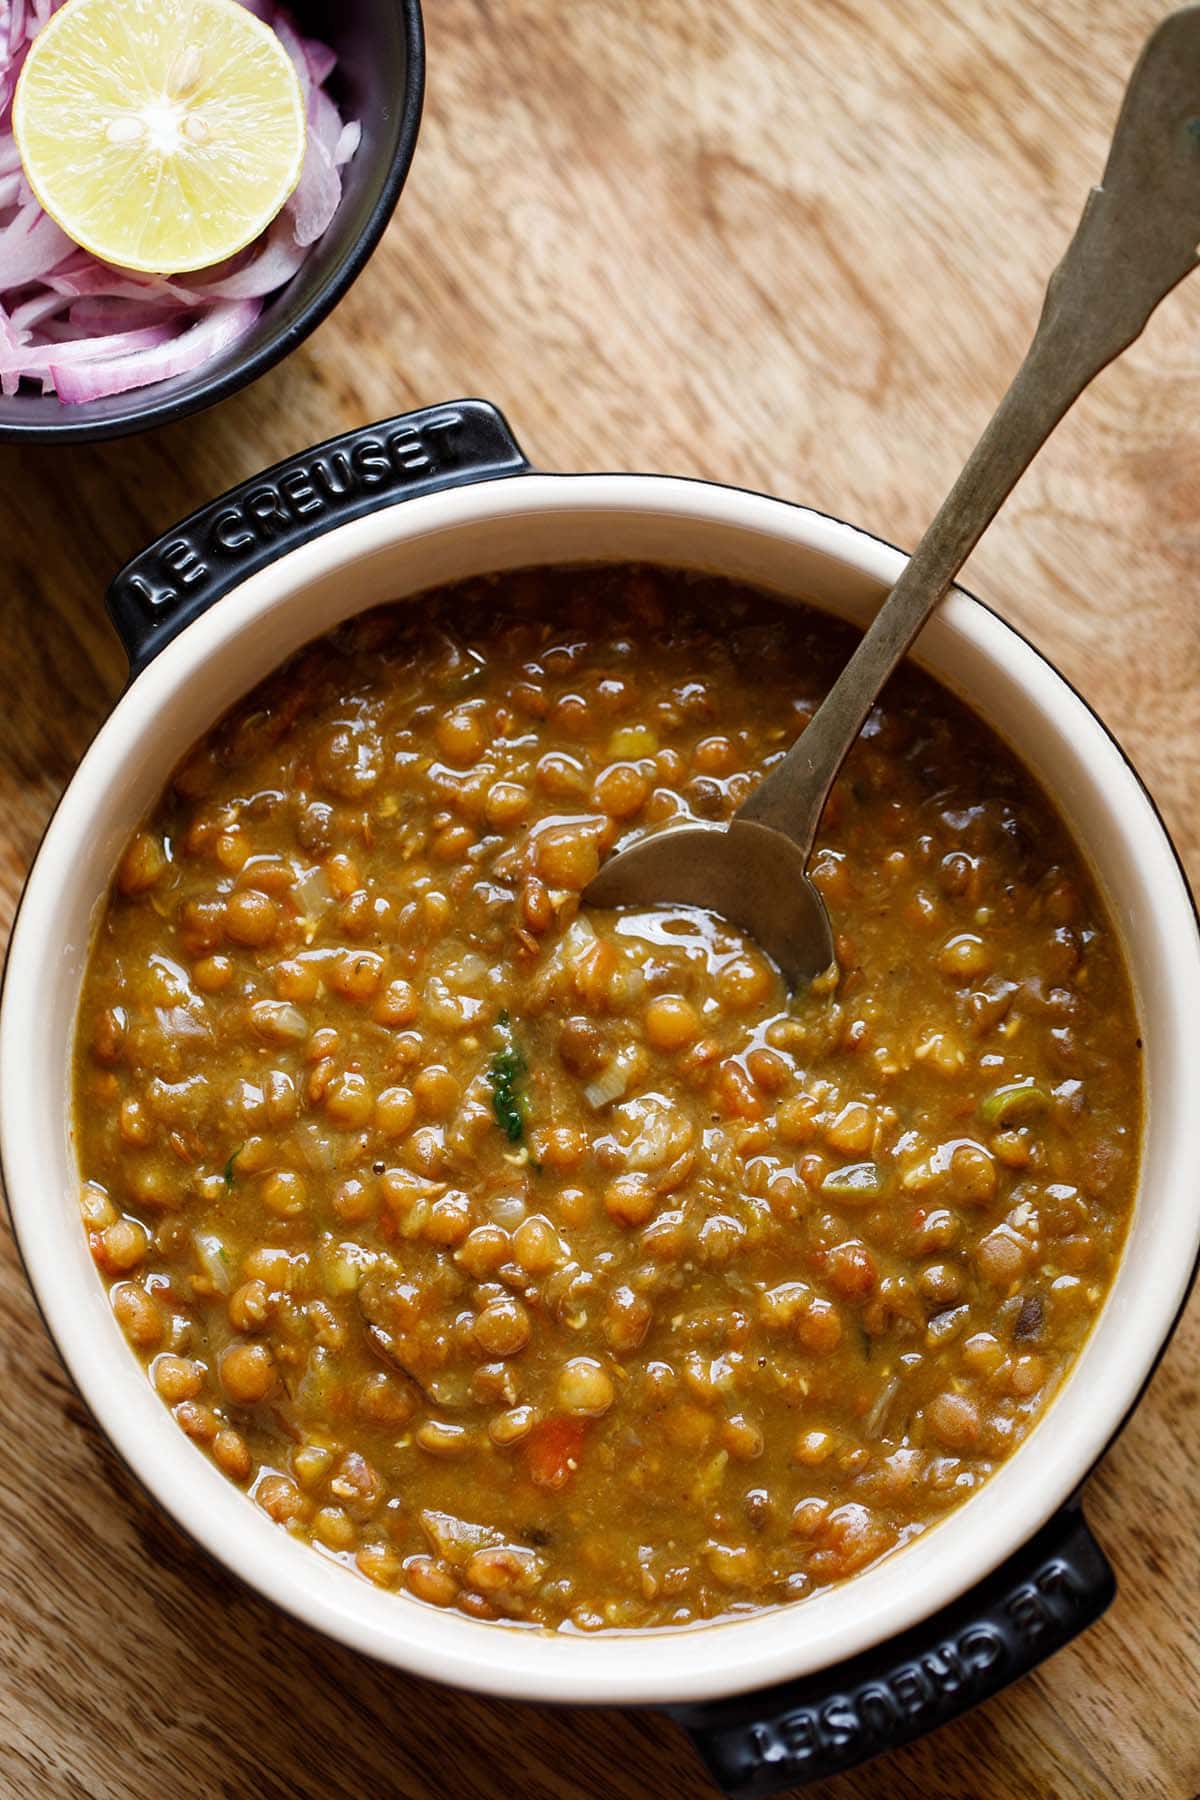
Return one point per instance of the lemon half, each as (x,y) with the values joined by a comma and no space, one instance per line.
(161,135)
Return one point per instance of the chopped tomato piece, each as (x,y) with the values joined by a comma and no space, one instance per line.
(552,1450)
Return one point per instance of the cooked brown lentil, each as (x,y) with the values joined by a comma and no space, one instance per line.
(553,1265)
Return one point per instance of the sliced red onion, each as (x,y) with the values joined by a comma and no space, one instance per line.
(35,360)
(32,246)
(322,61)
(8,342)
(61,331)
(318,194)
(108,312)
(290,38)
(31,312)
(324,120)
(84,276)
(319,191)
(16,26)
(221,326)
(275,260)
(83,328)
(349,138)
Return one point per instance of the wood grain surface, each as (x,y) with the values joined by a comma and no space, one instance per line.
(794,244)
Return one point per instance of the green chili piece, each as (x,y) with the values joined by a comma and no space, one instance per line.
(506,1071)
(1018,1100)
(855,1181)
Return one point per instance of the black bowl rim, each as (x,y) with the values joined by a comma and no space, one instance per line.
(145,412)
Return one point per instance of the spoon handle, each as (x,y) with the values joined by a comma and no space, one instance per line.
(1136,240)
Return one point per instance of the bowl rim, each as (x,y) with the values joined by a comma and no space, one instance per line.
(145,411)
(716,1658)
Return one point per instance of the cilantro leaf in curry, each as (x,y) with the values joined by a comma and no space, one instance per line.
(506,1076)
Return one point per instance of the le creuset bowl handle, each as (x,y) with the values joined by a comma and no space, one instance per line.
(805,1731)
(179,576)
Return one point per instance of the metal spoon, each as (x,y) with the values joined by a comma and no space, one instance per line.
(1137,238)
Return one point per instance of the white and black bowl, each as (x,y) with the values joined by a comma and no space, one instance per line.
(785,1696)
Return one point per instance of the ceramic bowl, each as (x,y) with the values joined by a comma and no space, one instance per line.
(434,497)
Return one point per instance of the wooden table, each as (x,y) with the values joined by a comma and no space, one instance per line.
(798,247)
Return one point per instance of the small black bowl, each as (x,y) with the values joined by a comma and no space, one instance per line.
(380,80)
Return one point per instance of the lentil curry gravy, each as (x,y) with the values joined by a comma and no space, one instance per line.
(552,1266)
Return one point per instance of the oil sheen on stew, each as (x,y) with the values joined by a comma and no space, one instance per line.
(551,1265)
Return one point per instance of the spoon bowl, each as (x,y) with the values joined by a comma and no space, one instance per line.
(751,875)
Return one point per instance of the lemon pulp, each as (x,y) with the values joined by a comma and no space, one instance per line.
(161,135)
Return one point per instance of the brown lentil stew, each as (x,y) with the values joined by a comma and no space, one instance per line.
(550,1265)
